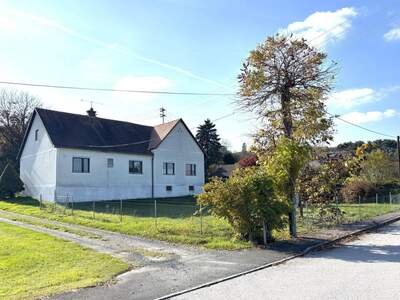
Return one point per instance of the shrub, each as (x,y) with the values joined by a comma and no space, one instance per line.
(247,201)
(248,161)
(357,188)
(10,183)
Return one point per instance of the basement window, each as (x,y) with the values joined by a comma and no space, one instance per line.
(80,165)
(168,188)
(191,188)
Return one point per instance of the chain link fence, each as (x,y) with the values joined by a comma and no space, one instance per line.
(184,218)
(158,214)
(313,216)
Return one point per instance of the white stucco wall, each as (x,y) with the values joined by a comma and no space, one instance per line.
(102,183)
(47,171)
(180,148)
(38,163)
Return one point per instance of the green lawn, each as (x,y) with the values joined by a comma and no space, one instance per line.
(177,220)
(34,264)
(351,212)
(176,224)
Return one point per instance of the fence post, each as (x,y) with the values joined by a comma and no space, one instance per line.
(66,205)
(390,198)
(120,210)
(72,206)
(376,198)
(337,207)
(155,213)
(40,200)
(359,208)
(201,220)
(307,213)
(55,202)
(94,208)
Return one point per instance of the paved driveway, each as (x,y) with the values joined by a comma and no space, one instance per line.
(368,268)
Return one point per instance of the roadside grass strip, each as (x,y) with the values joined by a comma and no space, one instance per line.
(34,264)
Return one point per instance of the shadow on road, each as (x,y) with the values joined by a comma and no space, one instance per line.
(379,251)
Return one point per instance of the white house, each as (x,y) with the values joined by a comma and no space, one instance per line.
(87,158)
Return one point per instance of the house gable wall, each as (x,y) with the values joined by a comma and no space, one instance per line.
(38,162)
(180,148)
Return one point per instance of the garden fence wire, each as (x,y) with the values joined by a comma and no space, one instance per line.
(161,215)
(158,213)
(312,216)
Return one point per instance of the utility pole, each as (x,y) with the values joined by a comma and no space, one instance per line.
(398,152)
(162,114)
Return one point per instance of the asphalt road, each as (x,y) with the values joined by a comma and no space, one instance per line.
(367,268)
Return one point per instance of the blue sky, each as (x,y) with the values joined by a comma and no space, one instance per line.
(177,45)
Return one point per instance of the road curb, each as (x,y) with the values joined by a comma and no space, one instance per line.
(316,247)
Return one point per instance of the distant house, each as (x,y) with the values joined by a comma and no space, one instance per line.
(89,158)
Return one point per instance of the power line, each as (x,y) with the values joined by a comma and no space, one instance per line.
(149,140)
(361,127)
(113,90)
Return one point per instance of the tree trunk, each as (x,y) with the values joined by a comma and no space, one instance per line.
(288,131)
(266,233)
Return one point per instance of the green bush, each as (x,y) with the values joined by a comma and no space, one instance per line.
(247,201)
(10,183)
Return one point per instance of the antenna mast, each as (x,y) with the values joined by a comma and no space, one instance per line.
(162,114)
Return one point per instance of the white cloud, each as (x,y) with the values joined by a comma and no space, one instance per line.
(352,97)
(370,116)
(392,35)
(323,27)
(143,83)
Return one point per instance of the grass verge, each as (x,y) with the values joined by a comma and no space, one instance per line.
(34,264)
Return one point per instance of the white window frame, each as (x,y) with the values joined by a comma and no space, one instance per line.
(192,169)
(167,169)
(82,170)
(133,167)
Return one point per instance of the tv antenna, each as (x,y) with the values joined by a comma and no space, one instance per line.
(162,114)
(91,102)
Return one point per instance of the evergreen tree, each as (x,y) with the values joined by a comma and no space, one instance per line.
(10,183)
(209,141)
(228,158)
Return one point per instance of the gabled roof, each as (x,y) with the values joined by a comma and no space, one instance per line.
(68,130)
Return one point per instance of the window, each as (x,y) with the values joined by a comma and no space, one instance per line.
(190,170)
(110,162)
(80,165)
(135,167)
(36,134)
(168,188)
(191,188)
(169,168)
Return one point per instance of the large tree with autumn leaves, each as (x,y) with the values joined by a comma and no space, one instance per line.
(285,82)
